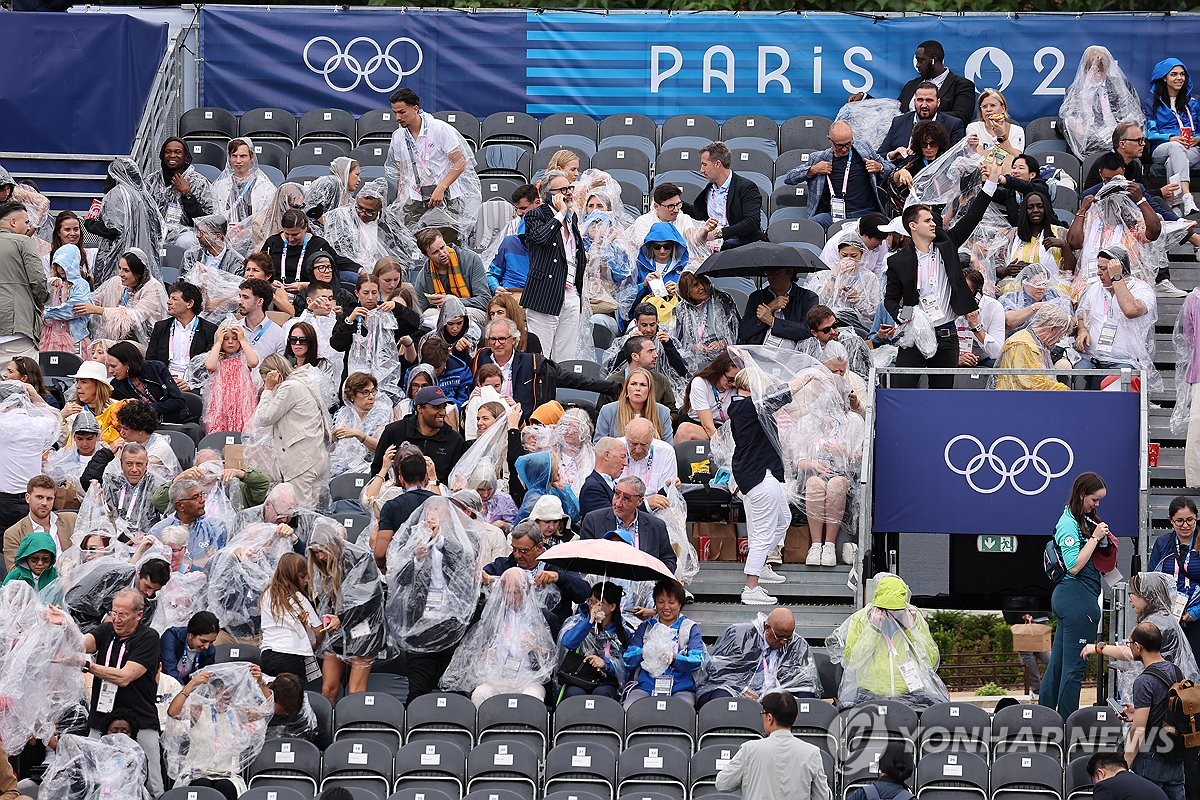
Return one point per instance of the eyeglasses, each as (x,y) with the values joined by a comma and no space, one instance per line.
(366,212)
(322,267)
(1139,140)
(297,340)
(368,393)
(40,558)
(779,635)
(121,616)
(498,339)
(673,206)
(662,246)
(565,191)
(1185,523)
(637,498)
(826,329)
(193,498)
(524,551)
(841,145)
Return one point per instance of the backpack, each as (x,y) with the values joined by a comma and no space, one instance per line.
(872,793)
(1180,726)
(1053,563)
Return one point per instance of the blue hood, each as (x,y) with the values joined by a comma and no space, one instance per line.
(1163,67)
(663,232)
(534,471)
(68,257)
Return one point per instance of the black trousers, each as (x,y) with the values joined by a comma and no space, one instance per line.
(275,664)
(946,356)
(12,510)
(425,671)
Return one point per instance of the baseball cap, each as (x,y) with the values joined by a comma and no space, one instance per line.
(431,396)
(895,226)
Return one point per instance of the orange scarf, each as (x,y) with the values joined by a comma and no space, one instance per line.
(458,284)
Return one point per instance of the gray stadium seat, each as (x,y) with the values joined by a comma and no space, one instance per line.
(804,132)
(327,125)
(369,715)
(290,762)
(698,125)
(629,124)
(432,764)
(464,123)
(377,125)
(208,122)
(509,126)
(268,123)
(316,153)
(358,763)
(498,764)
(371,154)
(756,125)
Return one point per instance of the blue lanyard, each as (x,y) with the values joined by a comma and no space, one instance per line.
(266,323)
(299,261)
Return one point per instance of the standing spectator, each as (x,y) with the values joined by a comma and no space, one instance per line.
(779,767)
(556,259)
(1078,534)
(183,335)
(291,626)
(1148,751)
(8,780)
(182,194)
(1171,116)
(956,93)
(1112,780)
(844,181)
(63,329)
(596,494)
(1175,554)
(27,429)
(128,655)
(775,314)
(299,429)
(23,291)
(733,201)
(230,394)
(926,275)
(127,219)
(266,337)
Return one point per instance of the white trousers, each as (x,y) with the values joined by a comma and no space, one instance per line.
(1180,159)
(767,519)
(559,333)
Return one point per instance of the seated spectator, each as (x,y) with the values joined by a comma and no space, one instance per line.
(511,649)
(930,142)
(551,520)
(887,652)
(642,352)
(645,323)
(449,270)
(625,520)
(212,250)
(652,460)
(901,140)
(733,201)
(129,303)
(706,321)
(979,344)
(453,373)
(127,493)
(66,465)
(775,314)
(492,541)
(752,659)
(540,476)
(1171,103)
(594,642)
(319,307)
(182,193)
(24,369)
(427,429)
(662,259)
(499,508)
(357,425)
(667,207)
(706,404)
(843,181)
(137,422)
(293,717)
(666,650)
(1023,176)
(249,485)
(455,329)
(369,332)
(635,401)
(150,382)
(874,231)
(188,649)
(39,497)
(206,534)
(1115,318)
(524,372)
(1036,288)
(183,335)
(34,560)
(258,266)
(528,544)
(369,229)
(852,292)
(993,129)
(62,329)
(506,304)
(291,627)
(826,328)
(895,770)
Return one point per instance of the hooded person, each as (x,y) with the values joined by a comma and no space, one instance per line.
(370,229)
(752,659)
(573,446)
(663,254)
(213,250)
(706,322)
(96,769)
(181,193)
(1036,285)
(34,562)
(269,221)
(67,463)
(608,280)
(1030,348)
(128,219)
(511,649)
(348,174)
(455,328)
(241,191)
(322,196)
(62,329)
(887,652)
(127,305)
(1168,111)
(539,474)
(854,293)
(1099,98)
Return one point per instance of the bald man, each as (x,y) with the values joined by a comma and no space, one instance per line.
(844,181)
(753,658)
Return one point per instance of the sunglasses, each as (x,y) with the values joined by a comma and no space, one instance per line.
(826,329)
(297,340)
(662,246)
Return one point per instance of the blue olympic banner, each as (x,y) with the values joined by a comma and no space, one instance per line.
(75,83)
(660,65)
(1001,462)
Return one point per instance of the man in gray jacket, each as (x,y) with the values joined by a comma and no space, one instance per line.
(23,289)
(779,767)
(450,270)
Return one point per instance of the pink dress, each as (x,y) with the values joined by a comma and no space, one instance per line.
(231,396)
(56,333)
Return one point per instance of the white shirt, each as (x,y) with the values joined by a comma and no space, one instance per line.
(641,226)
(991,317)
(286,634)
(52,530)
(506,370)
(265,339)
(1016,135)
(655,469)
(567,233)
(181,345)
(1099,307)
(24,438)
(434,144)
(718,198)
(933,283)
(705,397)
(213,261)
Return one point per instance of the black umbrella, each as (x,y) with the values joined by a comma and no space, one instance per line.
(753,260)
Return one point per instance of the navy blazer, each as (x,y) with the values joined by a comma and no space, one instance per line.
(652,533)
(159,348)
(157,380)
(173,643)
(594,495)
(900,134)
(790,326)
(545,286)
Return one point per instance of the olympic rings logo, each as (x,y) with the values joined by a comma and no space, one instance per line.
(364,65)
(990,459)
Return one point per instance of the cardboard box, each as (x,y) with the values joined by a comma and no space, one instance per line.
(796,543)
(715,541)
(235,456)
(1033,637)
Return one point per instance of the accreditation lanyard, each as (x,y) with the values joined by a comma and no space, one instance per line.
(845,178)
(299,261)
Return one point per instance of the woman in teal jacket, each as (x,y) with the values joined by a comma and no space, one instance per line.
(1075,600)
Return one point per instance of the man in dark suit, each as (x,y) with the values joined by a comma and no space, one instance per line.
(528,546)
(597,491)
(1113,781)
(733,201)
(625,521)
(777,311)
(182,335)
(897,145)
(553,295)
(926,274)
(956,92)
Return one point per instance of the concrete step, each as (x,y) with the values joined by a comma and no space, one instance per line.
(723,580)
(813,622)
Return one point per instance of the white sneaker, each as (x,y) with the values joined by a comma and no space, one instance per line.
(849,553)
(1165,288)
(1189,205)
(757,597)
(769,575)
(829,555)
(814,555)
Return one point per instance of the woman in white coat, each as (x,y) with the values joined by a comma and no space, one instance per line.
(292,409)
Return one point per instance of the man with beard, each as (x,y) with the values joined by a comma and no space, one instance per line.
(957,94)
(181,192)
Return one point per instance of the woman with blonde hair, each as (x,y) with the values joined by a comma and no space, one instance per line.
(566,161)
(291,627)
(993,129)
(291,407)
(506,305)
(636,400)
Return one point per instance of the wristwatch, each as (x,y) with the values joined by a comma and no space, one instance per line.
(1118,278)
(1100,647)
(977,328)
(1001,139)
(86,668)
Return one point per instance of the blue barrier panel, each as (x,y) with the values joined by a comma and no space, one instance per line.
(1001,462)
(718,64)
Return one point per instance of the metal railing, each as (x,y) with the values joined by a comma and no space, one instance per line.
(867,473)
(164,105)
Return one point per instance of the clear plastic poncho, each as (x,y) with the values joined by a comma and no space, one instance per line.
(128,314)
(269,221)
(215,228)
(349,454)
(91,520)
(1157,589)
(221,727)
(323,195)
(93,586)
(373,350)
(433,569)
(39,668)
(220,290)
(239,572)
(132,211)
(1185,338)
(365,243)
(411,172)
(573,445)
(870,119)
(131,505)
(852,292)
(349,585)
(1099,98)
(238,200)
(66,465)
(741,660)
(941,182)
(108,768)
(180,599)
(887,652)
(20,417)
(687,561)
(510,648)
(487,452)
(608,282)
(918,333)
(704,331)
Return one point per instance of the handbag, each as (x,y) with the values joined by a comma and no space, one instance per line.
(575,671)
